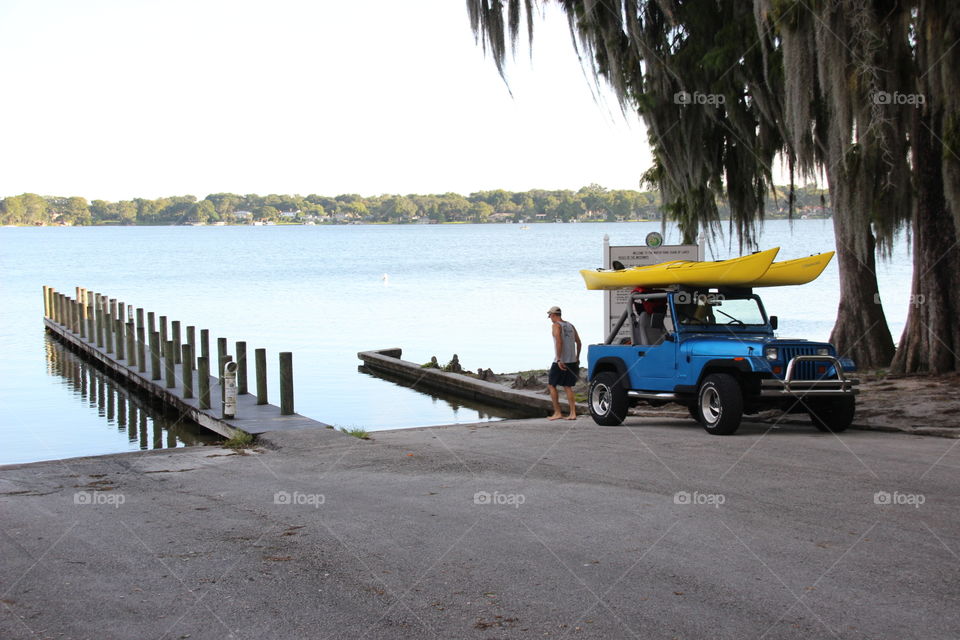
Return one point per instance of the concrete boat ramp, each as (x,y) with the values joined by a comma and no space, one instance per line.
(512,529)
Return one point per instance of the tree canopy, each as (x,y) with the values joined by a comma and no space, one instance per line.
(864,92)
(592,202)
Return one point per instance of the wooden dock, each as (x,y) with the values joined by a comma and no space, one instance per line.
(526,403)
(96,328)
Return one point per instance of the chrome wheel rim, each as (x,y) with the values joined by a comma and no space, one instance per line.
(600,399)
(710,406)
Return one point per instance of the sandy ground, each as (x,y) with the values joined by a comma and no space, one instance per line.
(920,404)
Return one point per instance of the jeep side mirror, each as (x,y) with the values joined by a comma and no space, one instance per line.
(773,322)
(668,337)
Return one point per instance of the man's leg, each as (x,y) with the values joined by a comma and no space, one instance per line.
(572,402)
(555,399)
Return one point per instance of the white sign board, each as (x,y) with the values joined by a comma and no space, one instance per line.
(614,302)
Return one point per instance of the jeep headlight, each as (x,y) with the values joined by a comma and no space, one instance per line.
(823,351)
(770,353)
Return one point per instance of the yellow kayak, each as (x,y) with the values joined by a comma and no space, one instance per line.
(734,272)
(799,271)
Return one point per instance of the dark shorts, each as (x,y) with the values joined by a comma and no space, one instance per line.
(561,378)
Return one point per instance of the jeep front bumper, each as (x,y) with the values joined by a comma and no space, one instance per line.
(840,386)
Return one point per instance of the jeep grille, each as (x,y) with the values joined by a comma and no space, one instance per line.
(804,370)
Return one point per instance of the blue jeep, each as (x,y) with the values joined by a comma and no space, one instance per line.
(714,352)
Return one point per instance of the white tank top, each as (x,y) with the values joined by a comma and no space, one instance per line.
(568,342)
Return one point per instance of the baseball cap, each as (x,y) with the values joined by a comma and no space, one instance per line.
(555,310)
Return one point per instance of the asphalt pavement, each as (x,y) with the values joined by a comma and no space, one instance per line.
(513,529)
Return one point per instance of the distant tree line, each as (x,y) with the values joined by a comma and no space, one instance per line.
(591,203)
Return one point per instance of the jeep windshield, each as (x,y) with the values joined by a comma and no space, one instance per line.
(716,310)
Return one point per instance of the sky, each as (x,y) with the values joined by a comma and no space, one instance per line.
(117,99)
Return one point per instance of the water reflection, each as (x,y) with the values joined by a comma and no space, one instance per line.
(137,418)
(484,411)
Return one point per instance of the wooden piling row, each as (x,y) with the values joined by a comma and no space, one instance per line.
(112,326)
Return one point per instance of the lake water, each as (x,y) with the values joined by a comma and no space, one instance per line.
(327,292)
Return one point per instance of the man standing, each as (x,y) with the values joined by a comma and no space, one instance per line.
(566,363)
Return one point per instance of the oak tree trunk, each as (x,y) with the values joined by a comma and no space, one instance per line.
(861,330)
(931,337)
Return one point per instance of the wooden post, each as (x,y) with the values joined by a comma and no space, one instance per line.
(175,330)
(46,301)
(56,307)
(140,318)
(192,341)
(221,354)
(108,323)
(163,329)
(131,345)
(155,356)
(260,359)
(98,312)
(122,314)
(112,326)
(241,368)
(91,322)
(118,325)
(286,383)
(82,319)
(141,352)
(186,370)
(203,374)
(151,323)
(168,361)
(205,345)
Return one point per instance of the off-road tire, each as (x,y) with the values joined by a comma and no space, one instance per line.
(607,399)
(720,404)
(832,415)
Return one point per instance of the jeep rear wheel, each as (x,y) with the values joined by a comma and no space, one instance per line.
(608,399)
(831,414)
(719,405)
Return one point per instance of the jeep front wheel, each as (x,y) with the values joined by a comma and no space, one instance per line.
(608,399)
(720,404)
